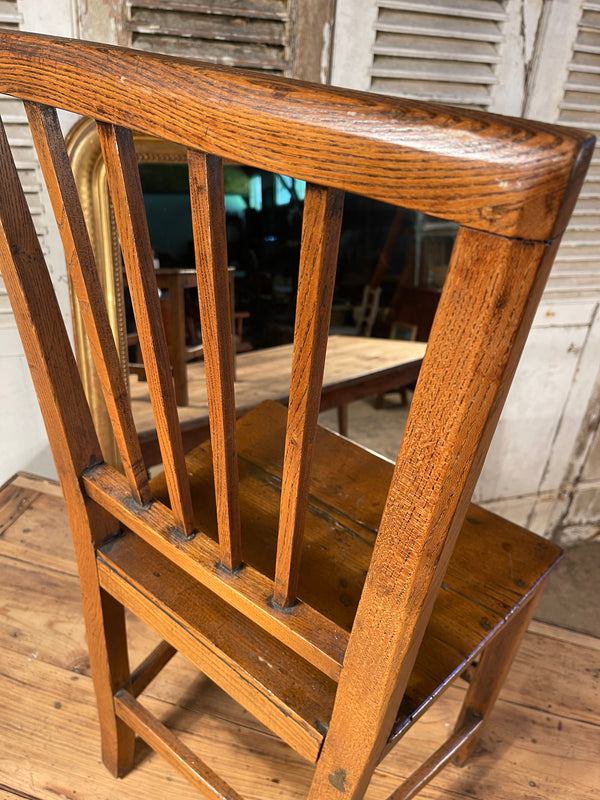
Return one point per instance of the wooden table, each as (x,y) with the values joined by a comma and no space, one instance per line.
(355,367)
(174,281)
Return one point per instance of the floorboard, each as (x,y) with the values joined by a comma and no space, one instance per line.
(543,740)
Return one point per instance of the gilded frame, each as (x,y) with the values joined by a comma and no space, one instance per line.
(83,147)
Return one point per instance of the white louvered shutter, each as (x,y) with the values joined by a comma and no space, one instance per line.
(446,51)
(254,34)
(17,131)
(439,50)
(578,260)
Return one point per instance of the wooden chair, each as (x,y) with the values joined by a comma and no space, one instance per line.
(332,594)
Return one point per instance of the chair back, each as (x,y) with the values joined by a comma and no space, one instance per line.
(509,184)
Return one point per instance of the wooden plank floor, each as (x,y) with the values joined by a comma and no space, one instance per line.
(543,741)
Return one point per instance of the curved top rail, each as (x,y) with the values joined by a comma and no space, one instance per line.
(512,177)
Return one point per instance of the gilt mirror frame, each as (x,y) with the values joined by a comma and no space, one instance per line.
(83,147)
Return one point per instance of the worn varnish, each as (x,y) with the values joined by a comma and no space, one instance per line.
(333,595)
(543,740)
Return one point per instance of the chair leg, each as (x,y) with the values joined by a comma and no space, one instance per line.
(105,632)
(342,415)
(109,663)
(490,673)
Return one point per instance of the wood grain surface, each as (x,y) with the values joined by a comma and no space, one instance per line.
(430,585)
(374,145)
(543,741)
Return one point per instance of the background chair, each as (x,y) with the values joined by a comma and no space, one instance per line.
(333,595)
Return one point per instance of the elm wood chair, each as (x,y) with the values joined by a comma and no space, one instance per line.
(332,594)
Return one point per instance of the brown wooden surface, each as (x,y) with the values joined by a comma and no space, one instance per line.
(54,161)
(175,282)
(207,195)
(384,134)
(495,565)
(542,743)
(161,739)
(510,186)
(72,437)
(455,408)
(248,590)
(321,227)
(222,643)
(126,194)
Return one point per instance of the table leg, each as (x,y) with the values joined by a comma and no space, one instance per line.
(176,317)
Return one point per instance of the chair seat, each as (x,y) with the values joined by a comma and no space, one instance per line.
(495,566)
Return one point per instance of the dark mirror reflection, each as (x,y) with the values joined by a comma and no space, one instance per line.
(391,267)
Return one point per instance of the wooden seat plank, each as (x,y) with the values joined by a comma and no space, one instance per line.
(495,565)
(224,644)
(321,640)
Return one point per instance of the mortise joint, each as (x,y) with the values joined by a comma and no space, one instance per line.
(224,568)
(180,534)
(272,603)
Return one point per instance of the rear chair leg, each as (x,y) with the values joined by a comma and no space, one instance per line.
(491,672)
(109,662)
(105,632)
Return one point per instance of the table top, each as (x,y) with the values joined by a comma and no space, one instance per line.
(265,374)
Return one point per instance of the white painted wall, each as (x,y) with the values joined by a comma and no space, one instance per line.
(531,474)
(539,470)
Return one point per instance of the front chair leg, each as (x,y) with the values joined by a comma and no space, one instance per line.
(490,673)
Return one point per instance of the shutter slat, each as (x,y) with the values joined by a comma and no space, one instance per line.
(439,50)
(582,237)
(472,9)
(588,118)
(581,87)
(10,16)
(253,34)
(434,91)
(586,60)
(229,53)
(424,69)
(587,42)
(437,25)
(405,45)
(578,253)
(206,26)
(591,19)
(264,9)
